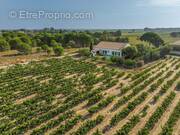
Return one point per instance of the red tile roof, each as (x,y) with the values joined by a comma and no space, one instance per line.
(110,45)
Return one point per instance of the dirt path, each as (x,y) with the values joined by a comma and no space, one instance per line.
(109,114)
(42,124)
(106,111)
(79,109)
(157,129)
(176,128)
(150,111)
(152,108)
(20,101)
(137,111)
(83,111)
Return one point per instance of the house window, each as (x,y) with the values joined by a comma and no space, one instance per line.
(116,53)
(119,54)
(104,52)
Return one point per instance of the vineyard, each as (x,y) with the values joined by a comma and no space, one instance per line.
(77,97)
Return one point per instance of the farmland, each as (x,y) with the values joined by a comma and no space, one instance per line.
(77,97)
(134,37)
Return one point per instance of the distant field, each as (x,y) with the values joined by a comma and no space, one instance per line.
(134,37)
(168,39)
(73,97)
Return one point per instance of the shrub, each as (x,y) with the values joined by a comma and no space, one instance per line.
(101,105)
(88,125)
(94,99)
(15,42)
(24,48)
(117,60)
(113,59)
(130,52)
(152,55)
(84,52)
(70,44)
(155,55)
(58,50)
(128,126)
(38,50)
(103,58)
(45,47)
(49,51)
(165,50)
(129,63)
(124,39)
(4,45)
(53,43)
(120,61)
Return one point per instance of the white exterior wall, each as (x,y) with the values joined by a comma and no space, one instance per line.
(110,52)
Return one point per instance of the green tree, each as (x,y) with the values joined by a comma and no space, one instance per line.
(130,52)
(152,38)
(58,37)
(49,51)
(4,45)
(117,60)
(153,54)
(54,43)
(26,39)
(117,33)
(143,49)
(71,43)
(91,47)
(8,35)
(105,36)
(58,50)
(24,48)
(122,39)
(38,49)
(69,37)
(129,63)
(84,52)
(165,50)
(45,47)
(44,38)
(15,42)
(84,40)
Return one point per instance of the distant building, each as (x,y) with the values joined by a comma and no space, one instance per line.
(109,48)
(176,48)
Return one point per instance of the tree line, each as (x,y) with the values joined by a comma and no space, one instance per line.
(52,40)
(48,39)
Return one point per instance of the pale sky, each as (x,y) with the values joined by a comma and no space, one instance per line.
(107,14)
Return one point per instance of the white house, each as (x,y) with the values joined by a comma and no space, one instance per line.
(109,48)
